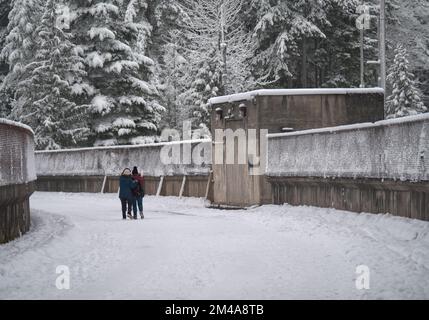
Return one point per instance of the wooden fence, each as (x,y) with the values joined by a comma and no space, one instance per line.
(194,186)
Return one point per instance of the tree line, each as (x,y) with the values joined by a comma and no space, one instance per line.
(109,72)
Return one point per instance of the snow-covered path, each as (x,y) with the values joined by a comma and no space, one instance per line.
(183,250)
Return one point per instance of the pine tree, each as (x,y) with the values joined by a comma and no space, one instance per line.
(114,36)
(337,57)
(172,70)
(218,49)
(17,46)
(4,21)
(284,31)
(171,65)
(405,99)
(204,80)
(51,99)
(305,43)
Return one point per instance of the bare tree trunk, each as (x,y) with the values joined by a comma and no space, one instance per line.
(304,68)
(224,48)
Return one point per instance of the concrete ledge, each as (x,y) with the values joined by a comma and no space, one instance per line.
(392,150)
(15,210)
(111,161)
(399,198)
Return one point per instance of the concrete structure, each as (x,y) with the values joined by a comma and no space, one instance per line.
(374,166)
(17,176)
(281,111)
(378,167)
(98,169)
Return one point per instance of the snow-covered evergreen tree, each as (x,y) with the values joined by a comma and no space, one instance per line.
(18,46)
(171,65)
(4,21)
(173,70)
(336,59)
(306,43)
(405,99)
(218,50)
(4,12)
(5,98)
(113,35)
(51,99)
(134,64)
(204,80)
(283,30)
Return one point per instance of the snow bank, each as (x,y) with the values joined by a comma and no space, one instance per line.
(292,92)
(112,160)
(17,163)
(391,149)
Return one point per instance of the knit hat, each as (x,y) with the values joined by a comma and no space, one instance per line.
(126,172)
(135,171)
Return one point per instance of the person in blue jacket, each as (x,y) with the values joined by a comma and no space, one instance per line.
(126,186)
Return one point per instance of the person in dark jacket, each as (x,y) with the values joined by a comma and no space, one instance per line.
(126,186)
(138,193)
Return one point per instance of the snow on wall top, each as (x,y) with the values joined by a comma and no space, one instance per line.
(17,163)
(392,149)
(112,160)
(125,147)
(16,124)
(366,125)
(292,92)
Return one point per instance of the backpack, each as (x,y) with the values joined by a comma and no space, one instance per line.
(138,189)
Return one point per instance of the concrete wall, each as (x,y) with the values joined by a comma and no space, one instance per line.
(17,176)
(112,160)
(274,110)
(378,167)
(391,149)
(84,170)
(318,111)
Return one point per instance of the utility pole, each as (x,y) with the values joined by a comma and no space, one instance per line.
(223,47)
(383,44)
(362,62)
(363,23)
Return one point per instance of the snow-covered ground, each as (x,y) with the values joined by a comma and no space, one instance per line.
(183,250)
